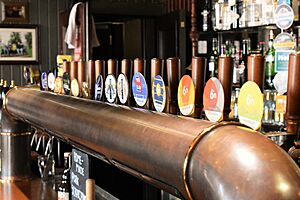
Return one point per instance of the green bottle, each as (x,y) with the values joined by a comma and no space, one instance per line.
(270,64)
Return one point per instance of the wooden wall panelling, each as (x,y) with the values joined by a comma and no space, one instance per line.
(44,31)
(17,74)
(52,32)
(133,45)
(175,4)
(172,5)
(33,11)
(5,72)
(188,5)
(167,6)
(45,14)
(132,7)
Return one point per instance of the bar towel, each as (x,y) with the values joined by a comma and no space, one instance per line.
(71,30)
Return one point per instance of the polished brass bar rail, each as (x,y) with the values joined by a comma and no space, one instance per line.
(190,158)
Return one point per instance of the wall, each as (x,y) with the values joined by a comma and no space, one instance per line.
(45,13)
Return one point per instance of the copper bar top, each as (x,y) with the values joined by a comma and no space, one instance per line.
(189,158)
(33,189)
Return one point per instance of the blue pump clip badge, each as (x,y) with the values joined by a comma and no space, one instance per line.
(98,88)
(159,93)
(139,89)
(44,80)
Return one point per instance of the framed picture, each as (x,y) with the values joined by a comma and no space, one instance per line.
(14,11)
(19,44)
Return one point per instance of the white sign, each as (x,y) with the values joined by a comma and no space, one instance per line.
(110,88)
(284,16)
(122,87)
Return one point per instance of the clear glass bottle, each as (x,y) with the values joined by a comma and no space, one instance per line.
(213,15)
(270,63)
(1,102)
(233,4)
(1,87)
(242,13)
(254,13)
(219,14)
(206,16)
(64,189)
(227,16)
(267,107)
(244,59)
(12,84)
(5,89)
(268,7)
(235,105)
(213,59)
(236,55)
(223,50)
(261,48)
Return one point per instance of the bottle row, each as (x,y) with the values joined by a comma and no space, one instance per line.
(229,14)
(4,87)
(240,59)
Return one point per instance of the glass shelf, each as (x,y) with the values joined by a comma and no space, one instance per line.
(251,29)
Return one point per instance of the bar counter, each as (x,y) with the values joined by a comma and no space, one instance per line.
(31,189)
(188,158)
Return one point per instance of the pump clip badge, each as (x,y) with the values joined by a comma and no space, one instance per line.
(284,16)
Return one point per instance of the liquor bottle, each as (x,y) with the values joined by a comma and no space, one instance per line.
(254,13)
(213,59)
(268,8)
(243,63)
(5,89)
(235,105)
(213,15)
(223,50)
(206,16)
(64,189)
(1,87)
(239,11)
(261,48)
(12,84)
(234,13)
(267,107)
(270,64)
(228,48)
(235,57)
(219,14)
(227,15)
(1,102)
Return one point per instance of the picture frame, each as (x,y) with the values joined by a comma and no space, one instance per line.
(14,12)
(19,44)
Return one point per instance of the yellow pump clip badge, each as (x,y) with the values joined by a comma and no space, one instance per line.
(250,105)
